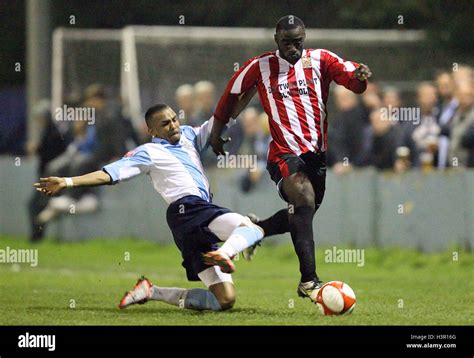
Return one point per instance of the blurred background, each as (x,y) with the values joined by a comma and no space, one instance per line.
(399,155)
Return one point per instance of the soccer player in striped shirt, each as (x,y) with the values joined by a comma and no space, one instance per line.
(172,161)
(293,86)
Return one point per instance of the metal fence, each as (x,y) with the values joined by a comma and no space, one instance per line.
(430,212)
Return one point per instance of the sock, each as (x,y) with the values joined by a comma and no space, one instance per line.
(171,295)
(301,228)
(201,299)
(276,224)
(241,238)
(194,299)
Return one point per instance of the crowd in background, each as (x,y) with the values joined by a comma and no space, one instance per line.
(378,129)
(70,148)
(374,129)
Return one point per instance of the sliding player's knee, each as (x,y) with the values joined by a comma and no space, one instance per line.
(225,295)
(227,301)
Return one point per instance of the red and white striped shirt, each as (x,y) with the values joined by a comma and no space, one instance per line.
(293,96)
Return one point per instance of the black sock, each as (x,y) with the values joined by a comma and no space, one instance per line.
(276,224)
(301,228)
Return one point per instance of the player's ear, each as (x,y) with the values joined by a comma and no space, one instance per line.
(276,38)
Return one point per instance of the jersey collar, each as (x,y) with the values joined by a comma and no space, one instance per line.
(159,140)
(277,53)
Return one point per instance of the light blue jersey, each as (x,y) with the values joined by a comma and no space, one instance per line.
(175,169)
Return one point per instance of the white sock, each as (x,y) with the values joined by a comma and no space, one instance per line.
(172,295)
(194,298)
(241,238)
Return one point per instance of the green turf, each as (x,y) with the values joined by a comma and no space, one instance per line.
(435,289)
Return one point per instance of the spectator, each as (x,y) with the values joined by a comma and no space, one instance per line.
(111,129)
(463,73)
(467,141)
(459,154)
(95,143)
(392,103)
(348,145)
(256,139)
(447,107)
(47,144)
(425,134)
(371,98)
(205,100)
(391,98)
(184,97)
(386,138)
(78,154)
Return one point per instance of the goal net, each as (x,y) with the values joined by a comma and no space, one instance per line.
(143,65)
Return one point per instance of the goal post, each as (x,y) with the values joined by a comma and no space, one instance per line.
(143,65)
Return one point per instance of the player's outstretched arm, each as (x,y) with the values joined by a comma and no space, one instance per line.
(216,141)
(349,74)
(243,101)
(53,185)
(233,101)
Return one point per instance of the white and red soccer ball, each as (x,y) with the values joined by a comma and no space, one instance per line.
(335,298)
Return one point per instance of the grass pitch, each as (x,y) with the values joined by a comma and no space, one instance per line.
(81,284)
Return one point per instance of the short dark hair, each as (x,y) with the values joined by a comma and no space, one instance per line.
(289,22)
(153,110)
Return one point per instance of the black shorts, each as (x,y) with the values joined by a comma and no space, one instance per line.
(188,219)
(310,163)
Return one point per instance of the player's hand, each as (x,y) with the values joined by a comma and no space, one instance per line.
(362,72)
(217,144)
(50,186)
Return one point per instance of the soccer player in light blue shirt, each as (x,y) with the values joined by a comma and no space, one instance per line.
(172,161)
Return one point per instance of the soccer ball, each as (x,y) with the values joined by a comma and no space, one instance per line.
(335,298)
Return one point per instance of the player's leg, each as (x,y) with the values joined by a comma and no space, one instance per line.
(225,294)
(238,233)
(296,188)
(219,296)
(300,193)
(276,224)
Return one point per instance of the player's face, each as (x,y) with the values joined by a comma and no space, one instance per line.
(167,126)
(290,43)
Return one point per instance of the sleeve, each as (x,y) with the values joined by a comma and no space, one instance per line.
(202,134)
(134,163)
(199,135)
(342,72)
(244,79)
